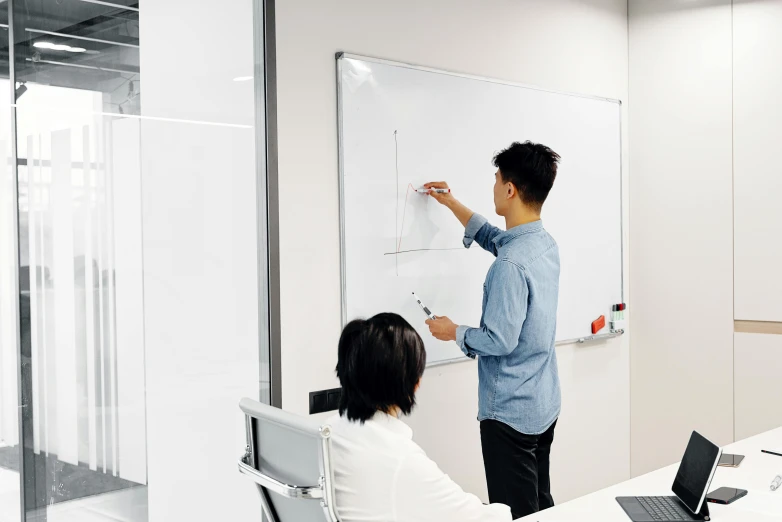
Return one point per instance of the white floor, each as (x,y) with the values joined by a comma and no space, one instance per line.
(9,496)
(129,505)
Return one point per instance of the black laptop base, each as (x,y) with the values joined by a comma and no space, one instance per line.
(635,509)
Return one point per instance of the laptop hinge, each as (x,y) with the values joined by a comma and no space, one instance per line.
(704,512)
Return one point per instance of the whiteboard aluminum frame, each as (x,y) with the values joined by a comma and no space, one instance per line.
(381,61)
(340,56)
(341,175)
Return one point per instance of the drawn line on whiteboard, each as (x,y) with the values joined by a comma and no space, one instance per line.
(404,212)
(399,232)
(396,222)
(404,209)
(421,250)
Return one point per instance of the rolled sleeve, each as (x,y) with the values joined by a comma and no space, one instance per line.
(461,331)
(480,231)
(474,225)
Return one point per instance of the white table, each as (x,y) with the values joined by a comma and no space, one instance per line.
(754,474)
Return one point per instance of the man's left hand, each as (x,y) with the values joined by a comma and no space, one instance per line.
(442,328)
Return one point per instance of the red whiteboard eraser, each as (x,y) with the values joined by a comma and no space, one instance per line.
(598,324)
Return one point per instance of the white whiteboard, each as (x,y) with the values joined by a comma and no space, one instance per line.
(401,126)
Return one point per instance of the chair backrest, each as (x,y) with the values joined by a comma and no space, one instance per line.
(289,459)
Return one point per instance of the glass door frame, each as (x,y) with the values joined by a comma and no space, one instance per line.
(267,200)
(26,476)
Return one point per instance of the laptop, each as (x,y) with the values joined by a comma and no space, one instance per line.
(692,482)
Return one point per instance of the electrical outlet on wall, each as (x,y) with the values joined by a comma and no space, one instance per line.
(325,400)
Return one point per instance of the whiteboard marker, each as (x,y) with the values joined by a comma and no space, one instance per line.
(435,190)
(429,314)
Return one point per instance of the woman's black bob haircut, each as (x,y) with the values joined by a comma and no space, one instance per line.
(380,362)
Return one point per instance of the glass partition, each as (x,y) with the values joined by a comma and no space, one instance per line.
(132,171)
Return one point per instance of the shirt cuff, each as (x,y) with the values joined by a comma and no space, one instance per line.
(461,331)
(474,225)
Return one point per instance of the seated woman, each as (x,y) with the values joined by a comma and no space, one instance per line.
(380,474)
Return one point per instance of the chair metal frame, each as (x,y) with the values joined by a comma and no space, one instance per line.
(323,492)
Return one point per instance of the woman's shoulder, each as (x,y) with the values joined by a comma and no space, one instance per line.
(382,432)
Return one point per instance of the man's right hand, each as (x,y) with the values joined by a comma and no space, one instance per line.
(462,213)
(443,198)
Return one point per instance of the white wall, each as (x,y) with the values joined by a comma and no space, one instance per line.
(578,46)
(758,393)
(199,256)
(705,84)
(757,131)
(681,244)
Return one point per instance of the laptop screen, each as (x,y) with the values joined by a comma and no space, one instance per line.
(696,471)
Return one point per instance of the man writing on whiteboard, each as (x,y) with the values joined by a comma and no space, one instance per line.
(519,393)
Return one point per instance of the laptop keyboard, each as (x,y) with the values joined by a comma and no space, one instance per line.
(664,508)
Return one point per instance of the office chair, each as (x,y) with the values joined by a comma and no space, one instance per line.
(283,451)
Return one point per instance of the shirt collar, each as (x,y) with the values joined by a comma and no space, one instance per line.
(527,228)
(393,425)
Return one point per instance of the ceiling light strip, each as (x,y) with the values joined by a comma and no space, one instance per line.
(75,37)
(109,4)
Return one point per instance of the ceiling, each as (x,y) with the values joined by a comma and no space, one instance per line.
(101,40)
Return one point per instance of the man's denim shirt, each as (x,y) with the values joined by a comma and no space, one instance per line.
(517,363)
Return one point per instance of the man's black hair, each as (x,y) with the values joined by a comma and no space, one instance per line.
(531,167)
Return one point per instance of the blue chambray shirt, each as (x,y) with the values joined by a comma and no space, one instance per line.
(517,364)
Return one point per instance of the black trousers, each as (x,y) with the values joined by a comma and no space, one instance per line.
(517,467)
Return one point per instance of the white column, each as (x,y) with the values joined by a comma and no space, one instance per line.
(64,294)
(129,299)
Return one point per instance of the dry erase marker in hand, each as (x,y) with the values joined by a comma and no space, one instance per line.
(429,314)
(435,190)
